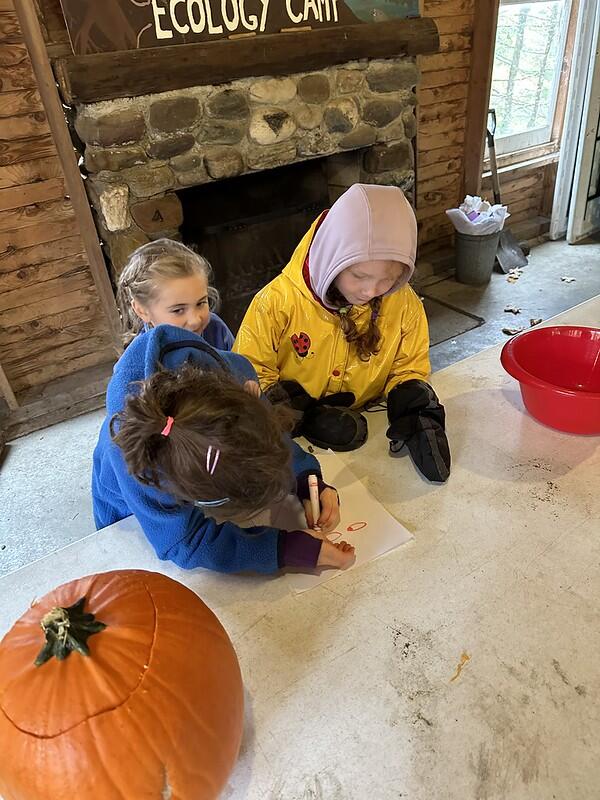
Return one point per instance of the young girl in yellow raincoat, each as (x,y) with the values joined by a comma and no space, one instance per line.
(340,328)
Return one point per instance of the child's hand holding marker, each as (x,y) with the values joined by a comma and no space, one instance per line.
(322,512)
(323,516)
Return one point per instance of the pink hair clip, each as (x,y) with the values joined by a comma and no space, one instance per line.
(211,466)
(167,429)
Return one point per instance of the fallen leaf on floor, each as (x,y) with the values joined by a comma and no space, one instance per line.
(511,331)
(464,658)
(512,310)
(514,274)
(534,321)
(567,279)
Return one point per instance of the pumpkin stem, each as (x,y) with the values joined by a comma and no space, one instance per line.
(67,629)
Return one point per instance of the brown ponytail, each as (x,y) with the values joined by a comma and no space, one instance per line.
(209,409)
(367,342)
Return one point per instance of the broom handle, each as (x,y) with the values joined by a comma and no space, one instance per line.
(492,152)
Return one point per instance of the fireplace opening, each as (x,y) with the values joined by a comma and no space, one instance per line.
(249,226)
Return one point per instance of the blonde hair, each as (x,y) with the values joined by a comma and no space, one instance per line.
(150,264)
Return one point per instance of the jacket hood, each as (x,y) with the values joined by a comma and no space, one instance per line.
(169,347)
(367,223)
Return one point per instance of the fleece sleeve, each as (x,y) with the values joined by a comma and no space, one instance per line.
(184,535)
(412,356)
(260,334)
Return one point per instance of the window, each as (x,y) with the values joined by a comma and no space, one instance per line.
(530,44)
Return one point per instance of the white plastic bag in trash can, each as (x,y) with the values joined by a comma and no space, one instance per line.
(476,217)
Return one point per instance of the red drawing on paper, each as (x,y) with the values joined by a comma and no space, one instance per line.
(356,526)
(353,528)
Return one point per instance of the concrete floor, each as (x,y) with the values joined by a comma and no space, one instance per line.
(461,666)
(44,480)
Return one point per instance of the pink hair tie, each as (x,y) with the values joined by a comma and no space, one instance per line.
(167,429)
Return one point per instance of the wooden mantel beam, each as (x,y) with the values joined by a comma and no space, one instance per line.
(105,76)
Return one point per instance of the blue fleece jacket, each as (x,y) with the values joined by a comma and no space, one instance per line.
(216,333)
(178,533)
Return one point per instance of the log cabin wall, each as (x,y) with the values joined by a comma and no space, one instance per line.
(444,105)
(57,344)
(442,99)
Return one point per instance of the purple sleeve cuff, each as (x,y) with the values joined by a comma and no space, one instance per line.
(298,549)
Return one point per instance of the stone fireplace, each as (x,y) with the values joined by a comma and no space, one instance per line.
(201,163)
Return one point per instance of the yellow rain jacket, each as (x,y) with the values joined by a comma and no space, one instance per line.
(287,334)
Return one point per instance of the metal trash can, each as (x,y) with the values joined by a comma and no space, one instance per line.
(475,256)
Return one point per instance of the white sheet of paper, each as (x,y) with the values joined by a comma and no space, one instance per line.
(364,522)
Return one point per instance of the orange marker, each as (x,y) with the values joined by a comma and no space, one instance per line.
(313,488)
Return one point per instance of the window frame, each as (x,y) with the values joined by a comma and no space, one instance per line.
(527,142)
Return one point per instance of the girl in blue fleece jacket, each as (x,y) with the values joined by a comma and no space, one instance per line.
(183,436)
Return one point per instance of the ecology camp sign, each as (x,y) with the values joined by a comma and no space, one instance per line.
(111,25)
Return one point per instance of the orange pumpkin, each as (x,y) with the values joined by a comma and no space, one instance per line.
(154,711)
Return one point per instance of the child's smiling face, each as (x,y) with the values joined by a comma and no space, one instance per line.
(178,301)
(362,282)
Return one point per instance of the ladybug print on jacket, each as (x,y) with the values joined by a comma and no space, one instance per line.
(301,343)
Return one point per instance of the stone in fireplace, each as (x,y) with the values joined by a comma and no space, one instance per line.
(142,154)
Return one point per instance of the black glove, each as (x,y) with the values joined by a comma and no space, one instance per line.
(417,420)
(328,422)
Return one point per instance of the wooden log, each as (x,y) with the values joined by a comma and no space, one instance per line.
(445,167)
(436,126)
(54,277)
(23,361)
(47,327)
(446,61)
(7,390)
(30,171)
(6,5)
(104,76)
(447,8)
(434,227)
(38,254)
(13,54)
(158,214)
(53,25)
(439,183)
(16,76)
(426,158)
(39,344)
(24,101)
(32,373)
(49,212)
(60,399)
(36,234)
(455,41)
(53,305)
(17,196)
(442,94)
(12,152)
(480,81)
(24,126)
(519,186)
(437,139)
(454,24)
(444,77)
(10,32)
(437,246)
(434,203)
(78,277)
(53,107)
(440,112)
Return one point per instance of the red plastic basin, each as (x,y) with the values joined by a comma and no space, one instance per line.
(558,369)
